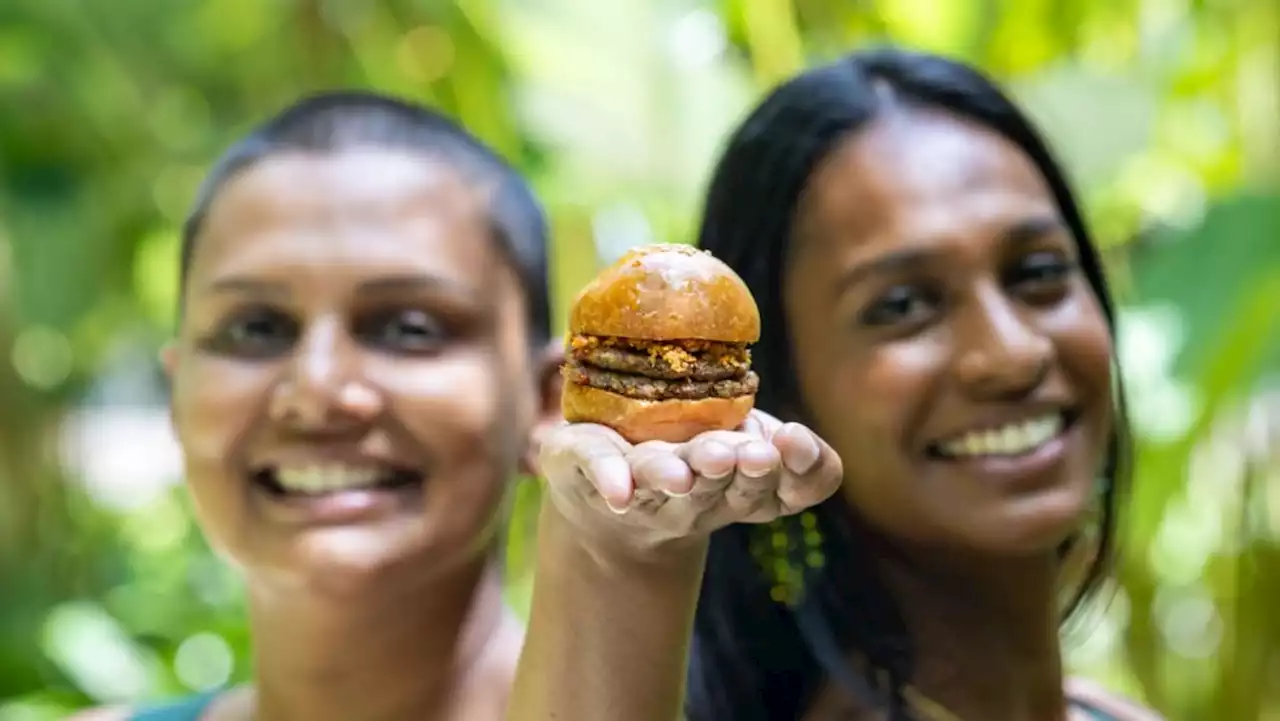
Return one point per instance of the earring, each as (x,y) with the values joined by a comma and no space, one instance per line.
(788,551)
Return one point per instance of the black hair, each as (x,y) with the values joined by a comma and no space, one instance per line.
(756,658)
(341,120)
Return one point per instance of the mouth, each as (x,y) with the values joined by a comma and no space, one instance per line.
(1012,440)
(313,480)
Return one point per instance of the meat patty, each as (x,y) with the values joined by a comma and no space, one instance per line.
(623,360)
(658,389)
(669,360)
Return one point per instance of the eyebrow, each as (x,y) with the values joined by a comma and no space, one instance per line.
(1021,233)
(418,282)
(386,284)
(236,284)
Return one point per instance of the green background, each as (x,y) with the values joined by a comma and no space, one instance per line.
(1165,110)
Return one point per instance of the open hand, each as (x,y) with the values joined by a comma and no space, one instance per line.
(655,492)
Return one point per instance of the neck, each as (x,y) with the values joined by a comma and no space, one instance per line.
(985,634)
(404,652)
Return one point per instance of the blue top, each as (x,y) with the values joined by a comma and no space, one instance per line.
(187,709)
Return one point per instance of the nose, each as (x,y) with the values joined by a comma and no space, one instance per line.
(1001,355)
(321,388)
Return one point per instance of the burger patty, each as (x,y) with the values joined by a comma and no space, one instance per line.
(658,389)
(623,360)
(667,360)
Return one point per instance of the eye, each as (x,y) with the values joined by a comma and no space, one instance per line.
(1041,276)
(254,333)
(900,305)
(403,331)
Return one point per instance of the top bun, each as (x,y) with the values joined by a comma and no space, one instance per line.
(667,292)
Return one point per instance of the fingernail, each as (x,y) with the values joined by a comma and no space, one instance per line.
(722,451)
(668,472)
(804,454)
(619,511)
(757,459)
(673,494)
(612,476)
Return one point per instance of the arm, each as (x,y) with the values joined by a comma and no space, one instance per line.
(608,636)
(615,591)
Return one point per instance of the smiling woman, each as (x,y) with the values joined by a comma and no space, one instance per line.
(933,306)
(952,339)
(360,362)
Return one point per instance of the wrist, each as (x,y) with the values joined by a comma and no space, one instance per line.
(612,554)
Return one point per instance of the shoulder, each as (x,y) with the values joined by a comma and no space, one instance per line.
(188,708)
(1094,696)
(114,713)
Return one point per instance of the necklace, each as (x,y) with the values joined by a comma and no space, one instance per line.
(926,708)
(921,706)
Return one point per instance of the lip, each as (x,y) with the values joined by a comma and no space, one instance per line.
(337,507)
(1028,470)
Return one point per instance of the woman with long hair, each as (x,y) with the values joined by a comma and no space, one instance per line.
(934,307)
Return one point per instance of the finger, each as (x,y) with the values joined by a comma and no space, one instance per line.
(758,459)
(753,427)
(713,455)
(655,466)
(798,446)
(595,451)
(754,488)
(798,491)
(647,502)
(562,443)
(543,434)
(761,424)
(708,491)
(611,477)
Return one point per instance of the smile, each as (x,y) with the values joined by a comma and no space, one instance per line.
(1010,440)
(315,479)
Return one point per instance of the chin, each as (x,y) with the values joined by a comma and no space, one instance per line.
(342,562)
(1035,524)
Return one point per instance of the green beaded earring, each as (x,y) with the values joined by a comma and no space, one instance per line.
(787,549)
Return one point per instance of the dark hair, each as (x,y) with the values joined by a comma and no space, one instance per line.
(341,120)
(755,658)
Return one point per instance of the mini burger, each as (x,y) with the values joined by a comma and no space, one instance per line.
(658,346)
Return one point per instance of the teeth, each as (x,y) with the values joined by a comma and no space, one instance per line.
(1014,439)
(324,478)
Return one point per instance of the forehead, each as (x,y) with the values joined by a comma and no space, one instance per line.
(351,212)
(918,177)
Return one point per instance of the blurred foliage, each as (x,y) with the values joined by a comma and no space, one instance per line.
(1165,110)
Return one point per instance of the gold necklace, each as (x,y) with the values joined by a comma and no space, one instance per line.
(920,705)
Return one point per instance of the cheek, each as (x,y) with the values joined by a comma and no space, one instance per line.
(214,407)
(1086,353)
(214,404)
(870,408)
(1084,346)
(456,407)
(880,393)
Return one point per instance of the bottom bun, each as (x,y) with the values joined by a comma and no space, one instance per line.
(674,421)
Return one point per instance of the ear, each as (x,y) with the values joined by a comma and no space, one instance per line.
(547,371)
(170,355)
(169,359)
